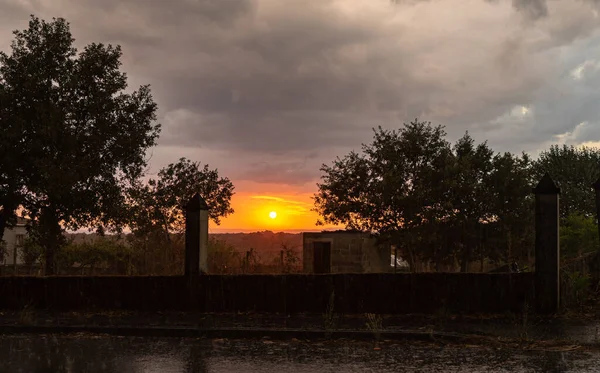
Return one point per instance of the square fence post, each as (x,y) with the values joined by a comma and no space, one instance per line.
(196,236)
(547,246)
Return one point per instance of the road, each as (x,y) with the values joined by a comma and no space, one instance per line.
(105,354)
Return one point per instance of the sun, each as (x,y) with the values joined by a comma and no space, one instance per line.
(272,214)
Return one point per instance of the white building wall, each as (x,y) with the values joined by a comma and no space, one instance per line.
(12,238)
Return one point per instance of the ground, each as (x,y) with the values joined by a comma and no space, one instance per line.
(118,341)
(110,354)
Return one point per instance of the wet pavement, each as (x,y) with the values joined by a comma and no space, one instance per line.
(581,330)
(101,353)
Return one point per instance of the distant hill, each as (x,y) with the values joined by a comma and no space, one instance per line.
(264,242)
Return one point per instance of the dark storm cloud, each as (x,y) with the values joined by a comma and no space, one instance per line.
(534,9)
(292,173)
(274,81)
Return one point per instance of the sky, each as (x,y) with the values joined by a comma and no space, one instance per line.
(266,91)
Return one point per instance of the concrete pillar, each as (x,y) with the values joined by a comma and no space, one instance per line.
(196,236)
(204,239)
(547,247)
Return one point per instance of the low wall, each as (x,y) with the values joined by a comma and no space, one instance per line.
(354,293)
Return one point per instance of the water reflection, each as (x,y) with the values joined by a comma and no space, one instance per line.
(103,354)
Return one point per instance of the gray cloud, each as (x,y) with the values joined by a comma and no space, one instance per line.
(534,9)
(272,82)
(292,173)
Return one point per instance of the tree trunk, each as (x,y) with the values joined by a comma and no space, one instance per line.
(51,238)
(412,260)
(2,223)
(50,258)
(464,264)
(508,246)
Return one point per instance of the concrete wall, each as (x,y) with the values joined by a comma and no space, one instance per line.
(354,293)
(10,237)
(351,252)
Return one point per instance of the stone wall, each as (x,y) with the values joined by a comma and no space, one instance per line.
(351,252)
(354,293)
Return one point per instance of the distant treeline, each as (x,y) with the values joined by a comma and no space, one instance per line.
(259,252)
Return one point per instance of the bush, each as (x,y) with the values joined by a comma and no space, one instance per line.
(575,289)
(222,257)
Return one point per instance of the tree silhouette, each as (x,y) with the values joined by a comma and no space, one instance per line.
(80,139)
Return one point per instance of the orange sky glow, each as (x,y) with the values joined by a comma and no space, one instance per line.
(252,209)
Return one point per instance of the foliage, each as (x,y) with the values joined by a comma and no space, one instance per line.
(509,194)
(468,207)
(103,252)
(156,254)
(433,201)
(576,288)
(574,169)
(31,252)
(290,259)
(250,261)
(578,236)
(395,188)
(157,216)
(222,257)
(79,137)
(160,202)
(374,324)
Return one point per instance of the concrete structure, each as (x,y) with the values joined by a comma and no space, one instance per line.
(344,252)
(547,246)
(14,238)
(196,236)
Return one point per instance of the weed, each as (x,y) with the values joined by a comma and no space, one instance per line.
(524,323)
(330,318)
(374,324)
(27,316)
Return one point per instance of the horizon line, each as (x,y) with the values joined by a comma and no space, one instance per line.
(233,231)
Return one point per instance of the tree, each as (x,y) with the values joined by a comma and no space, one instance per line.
(396,188)
(509,185)
(11,169)
(291,261)
(574,170)
(578,236)
(79,138)
(159,202)
(108,252)
(157,213)
(31,253)
(469,206)
(435,202)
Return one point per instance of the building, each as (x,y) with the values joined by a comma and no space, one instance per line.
(14,238)
(344,252)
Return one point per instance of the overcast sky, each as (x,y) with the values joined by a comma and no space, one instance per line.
(268,90)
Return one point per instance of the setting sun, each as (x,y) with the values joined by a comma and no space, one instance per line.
(270,211)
